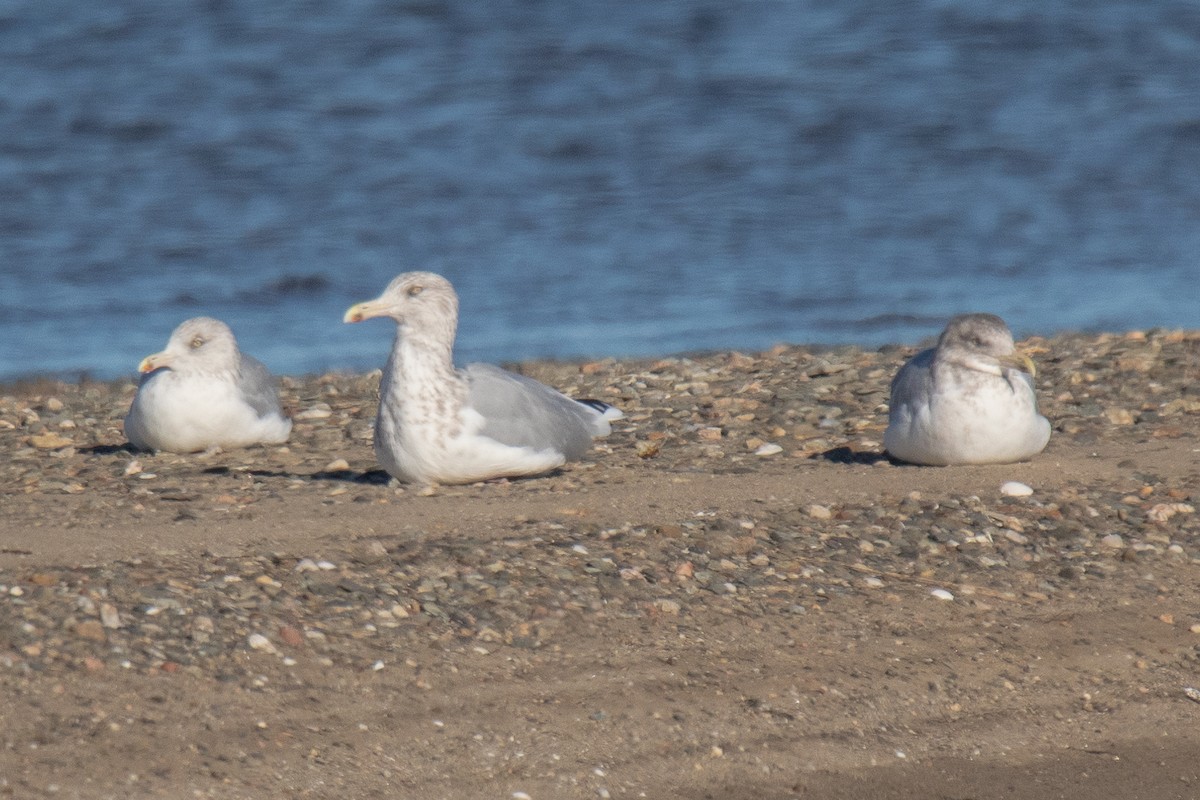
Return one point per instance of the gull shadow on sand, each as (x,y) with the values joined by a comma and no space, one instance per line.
(372,477)
(846,455)
(109,449)
(378,477)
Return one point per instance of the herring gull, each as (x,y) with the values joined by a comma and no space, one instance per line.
(442,425)
(201,392)
(968,400)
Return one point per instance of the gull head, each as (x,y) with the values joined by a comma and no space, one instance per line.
(200,344)
(983,341)
(419,300)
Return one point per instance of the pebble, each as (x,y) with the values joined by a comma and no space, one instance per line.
(91,629)
(768,449)
(819,512)
(259,642)
(290,636)
(1112,540)
(1015,489)
(942,594)
(1161,512)
(1119,416)
(49,441)
(668,606)
(315,411)
(109,617)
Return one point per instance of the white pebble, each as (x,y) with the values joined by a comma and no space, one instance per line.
(315,411)
(521,796)
(1015,489)
(259,642)
(378,665)
(768,449)
(942,594)
(1113,540)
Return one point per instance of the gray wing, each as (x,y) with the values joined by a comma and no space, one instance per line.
(258,386)
(520,412)
(914,380)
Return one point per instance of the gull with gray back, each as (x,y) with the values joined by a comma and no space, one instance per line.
(968,400)
(441,425)
(201,392)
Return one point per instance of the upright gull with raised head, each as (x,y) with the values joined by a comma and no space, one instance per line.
(968,400)
(438,424)
(201,392)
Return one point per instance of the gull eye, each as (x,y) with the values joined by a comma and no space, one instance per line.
(413,291)
(197,342)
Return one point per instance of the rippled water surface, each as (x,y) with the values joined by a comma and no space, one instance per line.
(626,178)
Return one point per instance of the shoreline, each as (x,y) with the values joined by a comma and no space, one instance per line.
(31,381)
(680,613)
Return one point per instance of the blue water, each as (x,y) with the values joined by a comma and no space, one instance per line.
(624,178)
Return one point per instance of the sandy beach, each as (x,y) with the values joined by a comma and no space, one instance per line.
(737,596)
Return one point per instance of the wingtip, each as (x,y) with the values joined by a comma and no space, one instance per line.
(607,411)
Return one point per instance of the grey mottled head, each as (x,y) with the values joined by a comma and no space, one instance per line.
(423,303)
(985,334)
(198,345)
(982,342)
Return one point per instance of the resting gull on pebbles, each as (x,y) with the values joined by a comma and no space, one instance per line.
(968,400)
(438,424)
(201,392)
